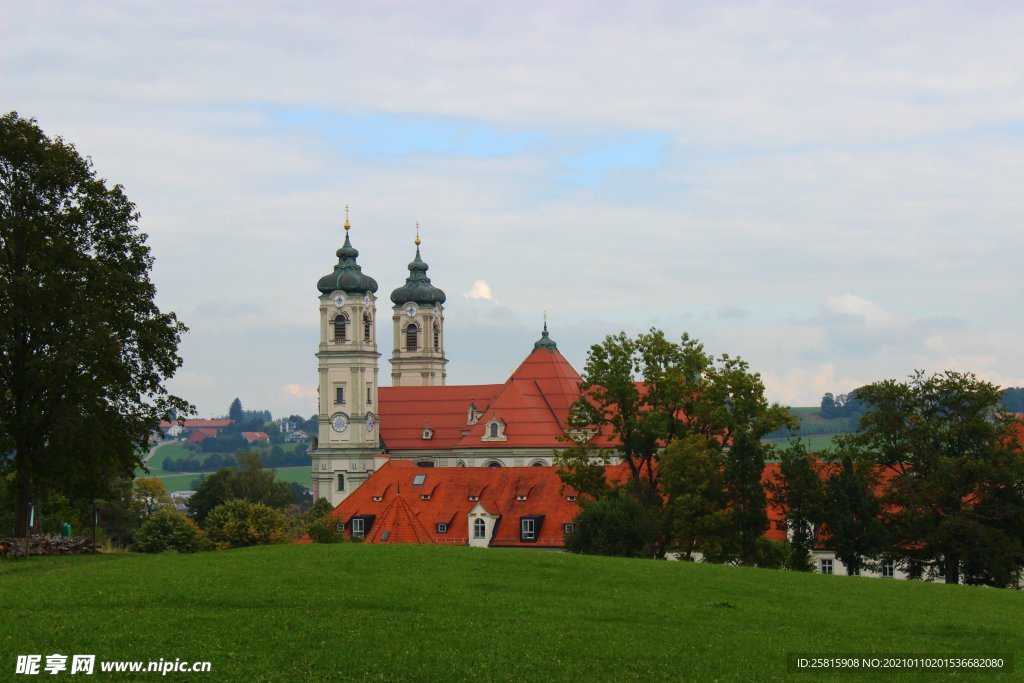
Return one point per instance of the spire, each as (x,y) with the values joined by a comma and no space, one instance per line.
(347,226)
(545,341)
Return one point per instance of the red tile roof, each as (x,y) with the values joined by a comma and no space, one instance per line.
(408,517)
(533,405)
(198,435)
(255,436)
(193,424)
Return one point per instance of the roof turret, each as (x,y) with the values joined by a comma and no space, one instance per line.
(545,341)
(348,275)
(417,287)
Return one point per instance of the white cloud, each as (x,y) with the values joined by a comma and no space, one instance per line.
(480,290)
(296,390)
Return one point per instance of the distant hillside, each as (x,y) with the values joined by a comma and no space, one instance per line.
(378,612)
(813,423)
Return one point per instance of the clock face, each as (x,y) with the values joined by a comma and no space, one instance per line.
(339,300)
(366,299)
(339,423)
(369,422)
(410,310)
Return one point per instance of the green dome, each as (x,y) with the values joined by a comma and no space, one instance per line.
(347,275)
(545,341)
(417,287)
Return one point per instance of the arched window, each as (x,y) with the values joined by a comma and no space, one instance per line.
(367,324)
(494,430)
(411,337)
(494,463)
(341,328)
(437,337)
(479,529)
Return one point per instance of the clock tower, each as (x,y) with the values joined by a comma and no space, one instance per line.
(418,358)
(347,439)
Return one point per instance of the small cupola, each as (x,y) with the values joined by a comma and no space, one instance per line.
(545,341)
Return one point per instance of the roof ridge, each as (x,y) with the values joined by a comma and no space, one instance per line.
(548,404)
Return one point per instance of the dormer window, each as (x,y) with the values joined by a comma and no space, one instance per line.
(411,337)
(571,499)
(472,417)
(442,528)
(494,430)
(340,328)
(428,433)
(473,499)
(425,496)
(377,499)
(520,498)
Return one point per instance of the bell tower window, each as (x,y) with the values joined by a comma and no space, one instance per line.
(341,329)
(437,337)
(411,337)
(366,327)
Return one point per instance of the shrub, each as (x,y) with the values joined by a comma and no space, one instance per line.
(167,530)
(616,525)
(239,523)
(325,530)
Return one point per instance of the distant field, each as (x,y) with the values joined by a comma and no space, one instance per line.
(171,450)
(399,613)
(815,442)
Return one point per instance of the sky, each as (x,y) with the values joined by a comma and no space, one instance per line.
(831,190)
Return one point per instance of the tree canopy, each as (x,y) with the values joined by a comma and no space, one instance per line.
(84,350)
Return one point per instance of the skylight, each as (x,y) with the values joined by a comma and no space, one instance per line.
(419,479)
(385,535)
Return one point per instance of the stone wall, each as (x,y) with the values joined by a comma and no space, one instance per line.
(45,545)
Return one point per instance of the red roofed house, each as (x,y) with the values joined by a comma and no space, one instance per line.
(175,428)
(255,437)
(508,507)
(518,423)
(199,433)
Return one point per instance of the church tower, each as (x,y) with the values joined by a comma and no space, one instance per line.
(418,357)
(347,438)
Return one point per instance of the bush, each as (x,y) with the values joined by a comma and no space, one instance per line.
(616,526)
(325,530)
(239,523)
(167,530)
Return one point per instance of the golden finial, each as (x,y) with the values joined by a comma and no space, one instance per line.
(347,225)
(417,233)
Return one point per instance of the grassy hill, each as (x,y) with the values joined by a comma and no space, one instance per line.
(363,612)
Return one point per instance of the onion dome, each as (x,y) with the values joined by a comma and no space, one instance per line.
(417,287)
(545,341)
(348,275)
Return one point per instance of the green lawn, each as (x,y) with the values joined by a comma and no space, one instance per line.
(814,442)
(362,612)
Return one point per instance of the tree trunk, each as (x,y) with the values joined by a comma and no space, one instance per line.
(23,496)
(952,565)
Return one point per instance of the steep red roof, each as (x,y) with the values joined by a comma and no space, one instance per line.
(410,512)
(533,405)
(198,435)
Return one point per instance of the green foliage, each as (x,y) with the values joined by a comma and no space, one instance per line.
(853,514)
(84,350)
(167,530)
(616,525)
(697,512)
(324,529)
(235,410)
(952,472)
(238,523)
(150,494)
(248,481)
(1012,399)
(799,493)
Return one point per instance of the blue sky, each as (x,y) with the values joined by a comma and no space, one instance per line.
(830,190)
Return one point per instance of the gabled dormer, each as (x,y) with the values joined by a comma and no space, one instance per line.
(494,430)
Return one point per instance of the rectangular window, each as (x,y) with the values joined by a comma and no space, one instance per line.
(369,395)
(357,527)
(339,395)
(825,566)
(567,528)
(889,570)
(341,482)
(571,499)
(528,530)
(385,535)
(479,528)
(419,479)
(853,571)
(442,528)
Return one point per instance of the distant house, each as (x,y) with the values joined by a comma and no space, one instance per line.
(296,435)
(198,434)
(255,437)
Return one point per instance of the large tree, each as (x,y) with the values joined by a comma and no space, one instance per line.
(952,473)
(640,394)
(84,350)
